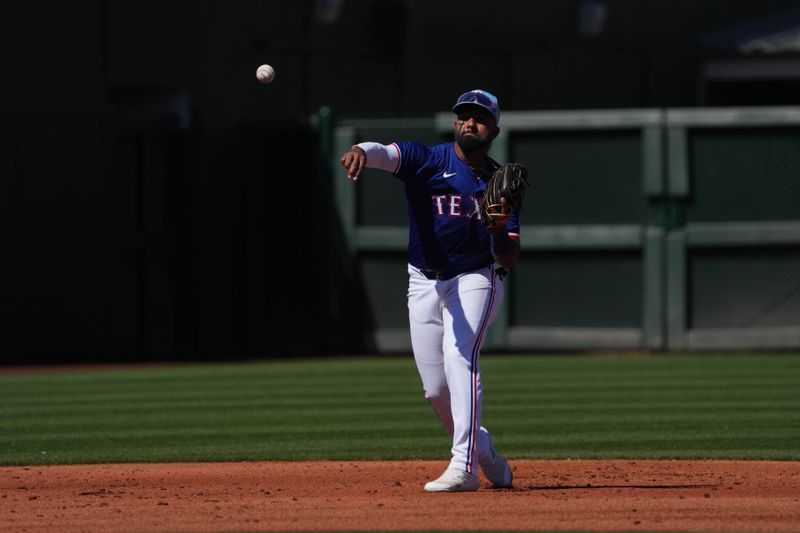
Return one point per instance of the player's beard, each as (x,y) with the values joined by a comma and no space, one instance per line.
(471,142)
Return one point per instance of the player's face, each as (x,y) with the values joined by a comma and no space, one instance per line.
(474,128)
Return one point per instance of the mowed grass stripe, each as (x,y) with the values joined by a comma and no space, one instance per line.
(233,415)
(723,406)
(177,385)
(635,429)
(558,406)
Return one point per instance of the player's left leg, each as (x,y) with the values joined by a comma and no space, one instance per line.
(471,305)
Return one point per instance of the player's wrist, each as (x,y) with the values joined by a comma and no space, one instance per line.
(357,148)
(499,226)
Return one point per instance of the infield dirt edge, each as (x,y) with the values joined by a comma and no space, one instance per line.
(591,495)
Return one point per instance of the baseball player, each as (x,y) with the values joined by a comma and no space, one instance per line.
(454,289)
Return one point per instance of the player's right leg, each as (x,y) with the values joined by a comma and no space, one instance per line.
(427,333)
(425,323)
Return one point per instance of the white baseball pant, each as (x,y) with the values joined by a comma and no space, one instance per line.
(448,323)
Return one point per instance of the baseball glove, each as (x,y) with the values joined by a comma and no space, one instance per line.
(509,182)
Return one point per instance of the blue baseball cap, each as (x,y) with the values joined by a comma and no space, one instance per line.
(480,98)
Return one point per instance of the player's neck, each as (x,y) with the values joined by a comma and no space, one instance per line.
(475,158)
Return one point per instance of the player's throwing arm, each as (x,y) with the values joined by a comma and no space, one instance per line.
(371,155)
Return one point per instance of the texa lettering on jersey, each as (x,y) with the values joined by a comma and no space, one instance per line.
(438,183)
(455,205)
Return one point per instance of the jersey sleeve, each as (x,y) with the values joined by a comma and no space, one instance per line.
(417,162)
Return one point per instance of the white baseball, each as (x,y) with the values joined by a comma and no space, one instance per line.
(265,74)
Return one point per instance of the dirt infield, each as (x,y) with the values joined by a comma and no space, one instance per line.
(293,496)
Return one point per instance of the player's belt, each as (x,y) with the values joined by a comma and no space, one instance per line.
(438,275)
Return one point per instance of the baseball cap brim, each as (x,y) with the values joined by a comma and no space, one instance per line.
(482,99)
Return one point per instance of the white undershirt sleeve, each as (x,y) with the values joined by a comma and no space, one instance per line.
(381,156)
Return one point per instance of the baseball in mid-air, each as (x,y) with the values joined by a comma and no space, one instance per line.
(265,74)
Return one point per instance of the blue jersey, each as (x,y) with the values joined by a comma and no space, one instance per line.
(443,194)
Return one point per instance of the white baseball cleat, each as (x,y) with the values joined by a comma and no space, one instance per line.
(495,467)
(454,480)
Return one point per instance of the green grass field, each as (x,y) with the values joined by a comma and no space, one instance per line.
(723,406)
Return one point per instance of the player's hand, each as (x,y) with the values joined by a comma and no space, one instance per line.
(500,221)
(354,160)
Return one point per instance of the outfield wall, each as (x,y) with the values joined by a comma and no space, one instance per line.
(156,232)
